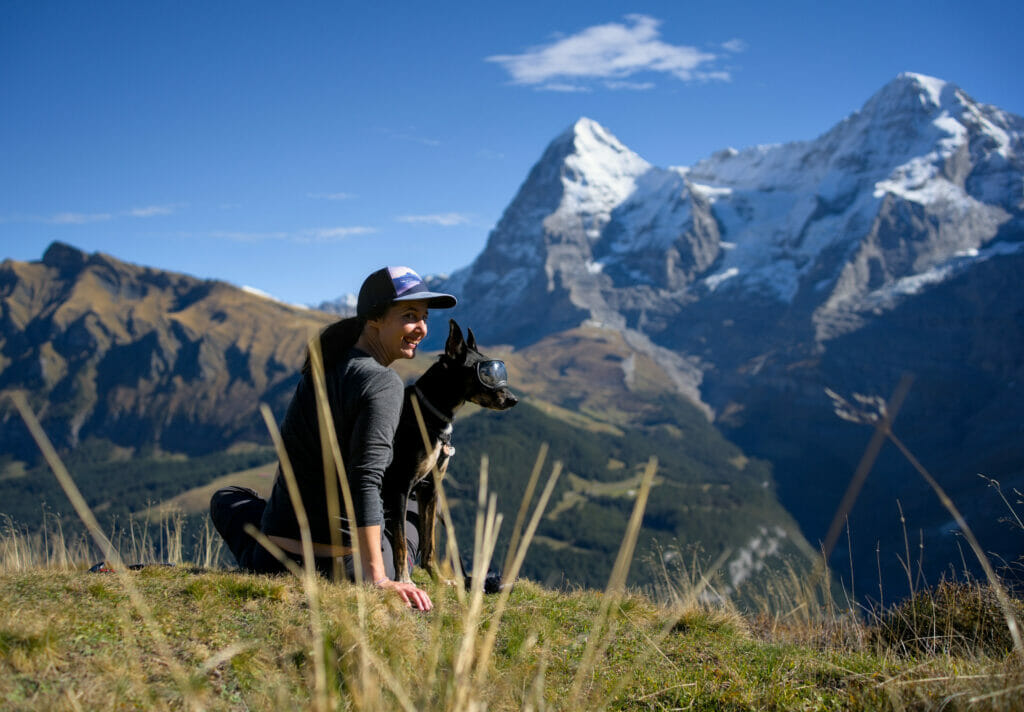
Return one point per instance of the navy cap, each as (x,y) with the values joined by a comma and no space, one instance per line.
(398,284)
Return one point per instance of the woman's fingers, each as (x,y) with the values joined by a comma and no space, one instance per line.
(412,596)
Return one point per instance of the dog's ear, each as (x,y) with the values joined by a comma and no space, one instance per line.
(455,347)
(471,341)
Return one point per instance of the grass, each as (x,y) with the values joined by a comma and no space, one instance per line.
(197,637)
(71,640)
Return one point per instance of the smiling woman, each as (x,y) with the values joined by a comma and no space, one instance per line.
(365,399)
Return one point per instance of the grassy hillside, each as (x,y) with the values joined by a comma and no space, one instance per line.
(707,498)
(115,486)
(219,640)
(192,636)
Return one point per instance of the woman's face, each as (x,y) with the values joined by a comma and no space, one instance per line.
(402,328)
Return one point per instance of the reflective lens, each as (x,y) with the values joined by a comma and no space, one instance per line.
(492,374)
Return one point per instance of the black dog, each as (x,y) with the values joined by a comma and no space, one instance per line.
(460,374)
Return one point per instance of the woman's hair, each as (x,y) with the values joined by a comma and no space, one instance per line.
(337,338)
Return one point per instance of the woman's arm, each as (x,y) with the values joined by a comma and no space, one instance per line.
(368,454)
(373,570)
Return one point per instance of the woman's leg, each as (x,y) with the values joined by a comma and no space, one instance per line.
(231,508)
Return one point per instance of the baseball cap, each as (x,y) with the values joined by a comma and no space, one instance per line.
(398,284)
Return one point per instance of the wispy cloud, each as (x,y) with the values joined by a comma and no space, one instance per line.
(735,45)
(151,211)
(77,218)
(630,86)
(334,234)
(331,196)
(318,235)
(614,51)
(69,217)
(565,88)
(441,219)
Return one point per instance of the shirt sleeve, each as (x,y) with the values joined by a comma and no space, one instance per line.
(371,444)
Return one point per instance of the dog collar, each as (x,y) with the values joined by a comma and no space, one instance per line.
(431,407)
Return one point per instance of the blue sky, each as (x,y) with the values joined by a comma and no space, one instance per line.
(295,147)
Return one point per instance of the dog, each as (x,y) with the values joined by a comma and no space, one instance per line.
(459,375)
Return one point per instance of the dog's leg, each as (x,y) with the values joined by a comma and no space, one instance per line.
(427,497)
(395,510)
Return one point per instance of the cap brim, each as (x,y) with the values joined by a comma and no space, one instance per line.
(435,300)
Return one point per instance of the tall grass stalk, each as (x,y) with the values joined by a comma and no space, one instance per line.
(67,483)
(524,506)
(331,454)
(881,414)
(510,574)
(615,589)
(453,557)
(484,541)
(986,565)
(309,578)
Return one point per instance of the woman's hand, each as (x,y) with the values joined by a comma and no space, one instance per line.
(414,597)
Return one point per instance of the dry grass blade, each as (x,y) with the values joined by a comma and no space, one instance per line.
(277,552)
(327,424)
(510,573)
(442,502)
(867,461)
(997,586)
(333,461)
(487,525)
(392,682)
(309,581)
(524,506)
(616,586)
(67,483)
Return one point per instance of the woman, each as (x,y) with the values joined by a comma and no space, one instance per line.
(365,398)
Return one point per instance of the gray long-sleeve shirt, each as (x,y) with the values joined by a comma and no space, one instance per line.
(366,402)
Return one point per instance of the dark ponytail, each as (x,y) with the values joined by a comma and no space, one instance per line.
(335,342)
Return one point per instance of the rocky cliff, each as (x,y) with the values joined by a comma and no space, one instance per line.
(139,356)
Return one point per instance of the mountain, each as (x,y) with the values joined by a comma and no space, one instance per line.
(142,357)
(149,383)
(891,243)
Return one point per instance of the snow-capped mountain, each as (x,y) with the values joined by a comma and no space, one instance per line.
(915,187)
(891,243)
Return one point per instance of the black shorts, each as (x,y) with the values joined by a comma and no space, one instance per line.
(231,508)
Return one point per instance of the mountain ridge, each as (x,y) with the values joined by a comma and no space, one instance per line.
(778,271)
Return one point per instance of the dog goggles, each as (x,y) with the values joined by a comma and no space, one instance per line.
(492,374)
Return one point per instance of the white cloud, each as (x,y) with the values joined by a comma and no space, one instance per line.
(563,87)
(151,211)
(632,86)
(78,218)
(613,51)
(74,218)
(735,45)
(309,236)
(442,219)
(331,196)
(333,234)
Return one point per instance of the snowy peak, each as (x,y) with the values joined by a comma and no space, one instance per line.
(911,93)
(916,186)
(597,173)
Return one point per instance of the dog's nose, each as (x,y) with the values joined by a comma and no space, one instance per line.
(510,399)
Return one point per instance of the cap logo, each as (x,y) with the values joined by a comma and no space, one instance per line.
(405,280)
